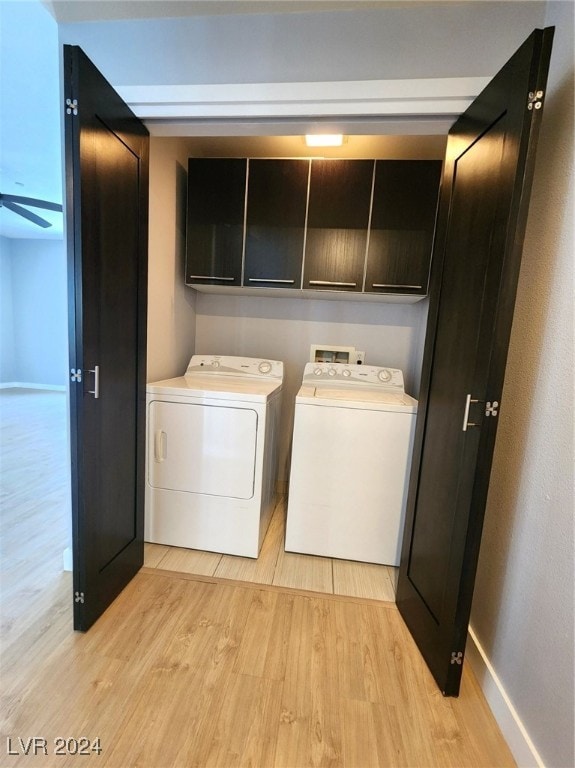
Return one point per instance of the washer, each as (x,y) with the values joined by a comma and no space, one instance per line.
(351,454)
(211,456)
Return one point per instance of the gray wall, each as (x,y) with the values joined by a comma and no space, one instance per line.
(35,309)
(523,603)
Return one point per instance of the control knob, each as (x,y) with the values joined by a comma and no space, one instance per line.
(264,367)
(384,375)
(332,372)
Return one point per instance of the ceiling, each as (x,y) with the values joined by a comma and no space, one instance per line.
(30,160)
(70,11)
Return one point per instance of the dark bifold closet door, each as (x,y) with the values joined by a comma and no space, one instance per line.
(107,223)
(477,252)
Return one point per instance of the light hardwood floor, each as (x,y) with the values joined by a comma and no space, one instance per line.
(196,670)
(35,524)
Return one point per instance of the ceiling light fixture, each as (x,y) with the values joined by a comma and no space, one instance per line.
(324,139)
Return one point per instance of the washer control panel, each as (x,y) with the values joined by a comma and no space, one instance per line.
(322,374)
(228,365)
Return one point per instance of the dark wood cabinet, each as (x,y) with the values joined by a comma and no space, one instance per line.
(359,226)
(275,223)
(215,221)
(402,226)
(338,217)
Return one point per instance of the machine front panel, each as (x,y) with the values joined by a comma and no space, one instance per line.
(202,449)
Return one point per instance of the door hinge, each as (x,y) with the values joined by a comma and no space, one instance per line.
(71,106)
(79,597)
(491,408)
(75,374)
(456,657)
(535,100)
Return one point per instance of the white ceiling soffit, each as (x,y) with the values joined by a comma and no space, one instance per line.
(432,104)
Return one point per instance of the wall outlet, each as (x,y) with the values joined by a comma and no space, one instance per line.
(359,357)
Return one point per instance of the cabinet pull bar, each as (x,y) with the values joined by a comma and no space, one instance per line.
(331,282)
(209,277)
(269,280)
(394,285)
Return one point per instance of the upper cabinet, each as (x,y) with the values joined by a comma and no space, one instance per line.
(402,226)
(275,223)
(345,226)
(215,221)
(337,224)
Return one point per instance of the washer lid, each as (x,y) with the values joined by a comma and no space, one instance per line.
(357,397)
(232,388)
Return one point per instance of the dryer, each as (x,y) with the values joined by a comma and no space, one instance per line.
(212,454)
(351,455)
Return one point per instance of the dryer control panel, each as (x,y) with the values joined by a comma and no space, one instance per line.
(353,376)
(228,365)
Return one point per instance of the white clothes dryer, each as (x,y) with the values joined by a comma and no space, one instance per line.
(351,455)
(212,454)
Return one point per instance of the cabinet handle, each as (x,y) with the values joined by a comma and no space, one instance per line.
(332,282)
(269,280)
(394,285)
(209,277)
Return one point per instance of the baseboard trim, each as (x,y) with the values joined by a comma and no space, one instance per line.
(28,385)
(513,730)
(67,559)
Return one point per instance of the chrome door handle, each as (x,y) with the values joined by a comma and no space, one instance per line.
(96,391)
(270,280)
(466,423)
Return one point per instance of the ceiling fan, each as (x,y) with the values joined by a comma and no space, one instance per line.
(14,203)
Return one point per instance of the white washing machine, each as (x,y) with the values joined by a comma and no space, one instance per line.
(212,454)
(351,455)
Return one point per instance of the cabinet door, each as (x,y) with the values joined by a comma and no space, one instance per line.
(402,225)
(215,222)
(338,216)
(275,222)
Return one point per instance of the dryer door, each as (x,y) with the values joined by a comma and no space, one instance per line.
(206,449)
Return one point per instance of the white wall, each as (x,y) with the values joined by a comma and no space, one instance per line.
(523,604)
(284,329)
(171,312)
(6,315)
(37,311)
